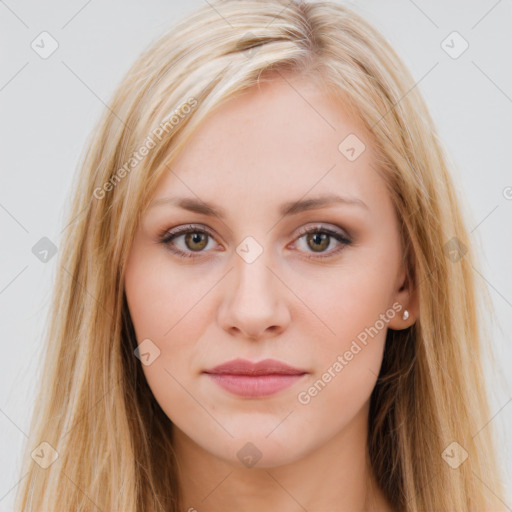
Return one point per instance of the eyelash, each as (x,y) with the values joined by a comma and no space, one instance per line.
(166,237)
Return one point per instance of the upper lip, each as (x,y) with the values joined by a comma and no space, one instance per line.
(264,367)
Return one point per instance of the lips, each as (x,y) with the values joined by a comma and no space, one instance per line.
(245,367)
(251,380)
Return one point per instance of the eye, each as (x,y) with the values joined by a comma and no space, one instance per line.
(195,240)
(318,238)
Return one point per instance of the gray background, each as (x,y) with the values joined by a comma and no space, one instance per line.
(49,106)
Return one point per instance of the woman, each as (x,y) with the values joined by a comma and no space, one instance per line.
(266,298)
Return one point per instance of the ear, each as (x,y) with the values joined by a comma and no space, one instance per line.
(405,297)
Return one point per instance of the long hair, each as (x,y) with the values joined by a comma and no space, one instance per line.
(108,437)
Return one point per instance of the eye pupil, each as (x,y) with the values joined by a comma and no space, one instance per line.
(318,238)
(196,238)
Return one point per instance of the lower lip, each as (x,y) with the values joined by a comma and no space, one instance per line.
(254,386)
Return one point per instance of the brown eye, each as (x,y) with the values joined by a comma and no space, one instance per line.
(187,241)
(318,241)
(196,241)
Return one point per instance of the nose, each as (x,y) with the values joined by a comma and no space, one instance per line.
(253,305)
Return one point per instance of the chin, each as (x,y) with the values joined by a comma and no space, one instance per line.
(256,450)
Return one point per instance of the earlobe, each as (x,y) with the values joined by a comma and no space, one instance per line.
(403,317)
(406,307)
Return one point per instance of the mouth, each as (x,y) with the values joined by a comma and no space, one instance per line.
(245,378)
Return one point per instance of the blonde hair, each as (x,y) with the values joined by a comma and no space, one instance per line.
(95,408)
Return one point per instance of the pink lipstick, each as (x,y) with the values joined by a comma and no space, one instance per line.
(245,378)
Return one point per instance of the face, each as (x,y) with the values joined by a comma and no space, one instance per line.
(315,287)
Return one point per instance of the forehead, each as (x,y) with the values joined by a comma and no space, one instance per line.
(280,139)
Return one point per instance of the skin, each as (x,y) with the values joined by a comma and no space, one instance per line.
(273,144)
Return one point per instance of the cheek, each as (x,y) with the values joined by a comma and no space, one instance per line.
(349,360)
(165,307)
(355,309)
(160,297)
(349,304)
(171,307)
(360,300)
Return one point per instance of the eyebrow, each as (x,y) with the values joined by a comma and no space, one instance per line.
(286,209)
